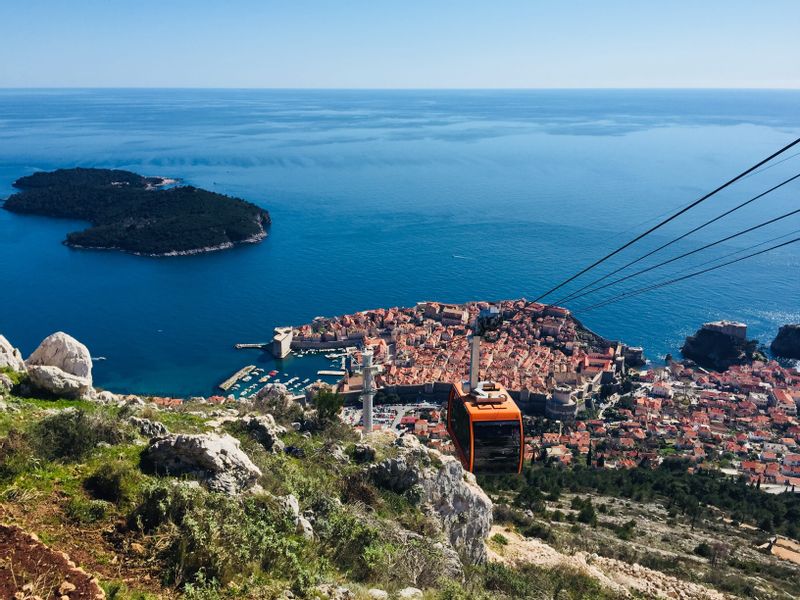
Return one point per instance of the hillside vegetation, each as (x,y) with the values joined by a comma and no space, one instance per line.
(75,474)
(133,213)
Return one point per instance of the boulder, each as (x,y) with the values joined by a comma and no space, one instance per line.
(106,397)
(445,491)
(410,593)
(65,352)
(292,506)
(275,398)
(337,452)
(330,591)
(10,357)
(302,524)
(265,430)
(61,366)
(217,460)
(148,428)
(59,383)
(785,345)
(363,453)
(6,385)
(377,594)
(305,528)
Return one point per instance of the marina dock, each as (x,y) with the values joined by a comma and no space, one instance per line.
(228,383)
(331,373)
(260,346)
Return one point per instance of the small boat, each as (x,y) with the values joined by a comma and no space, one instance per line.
(99,358)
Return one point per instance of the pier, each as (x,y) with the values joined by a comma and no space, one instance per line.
(331,373)
(230,381)
(259,346)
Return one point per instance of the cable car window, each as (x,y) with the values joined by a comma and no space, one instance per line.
(497,446)
(461,426)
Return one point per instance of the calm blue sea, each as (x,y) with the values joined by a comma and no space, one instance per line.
(372,193)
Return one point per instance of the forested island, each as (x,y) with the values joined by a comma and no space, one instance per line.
(137,214)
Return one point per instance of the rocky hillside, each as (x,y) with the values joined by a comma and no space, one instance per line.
(103,495)
(268,499)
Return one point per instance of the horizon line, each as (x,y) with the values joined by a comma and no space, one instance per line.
(399,89)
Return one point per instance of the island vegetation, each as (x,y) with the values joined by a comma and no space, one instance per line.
(139,214)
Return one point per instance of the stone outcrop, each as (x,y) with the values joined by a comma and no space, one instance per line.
(331,591)
(58,383)
(302,523)
(787,343)
(445,490)
(6,384)
(265,430)
(10,357)
(61,366)
(718,351)
(216,460)
(148,428)
(65,352)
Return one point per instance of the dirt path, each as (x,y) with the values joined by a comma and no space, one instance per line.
(29,569)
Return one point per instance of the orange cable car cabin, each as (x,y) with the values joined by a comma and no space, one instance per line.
(485,425)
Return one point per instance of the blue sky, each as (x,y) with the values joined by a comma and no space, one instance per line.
(400,43)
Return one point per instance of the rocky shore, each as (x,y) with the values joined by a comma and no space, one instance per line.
(717,351)
(787,343)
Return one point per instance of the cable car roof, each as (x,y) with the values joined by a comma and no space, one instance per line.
(489,401)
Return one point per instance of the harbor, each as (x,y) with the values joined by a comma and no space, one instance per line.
(297,370)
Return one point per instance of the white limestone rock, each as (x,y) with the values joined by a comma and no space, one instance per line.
(65,352)
(6,385)
(10,357)
(217,460)
(410,593)
(61,366)
(330,591)
(106,397)
(305,528)
(446,491)
(147,427)
(266,431)
(58,383)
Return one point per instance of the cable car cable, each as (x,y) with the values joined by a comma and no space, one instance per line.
(685,254)
(574,294)
(745,249)
(670,218)
(677,279)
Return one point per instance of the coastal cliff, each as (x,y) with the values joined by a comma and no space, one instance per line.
(137,214)
(717,351)
(787,343)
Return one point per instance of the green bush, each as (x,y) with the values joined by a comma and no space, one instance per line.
(537,530)
(84,510)
(703,549)
(356,547)
(71,434)
(328,405)
(16,455)
(500,539)
(219,537)
(115,482)
(625,531)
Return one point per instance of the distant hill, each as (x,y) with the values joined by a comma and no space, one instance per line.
(137,214)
